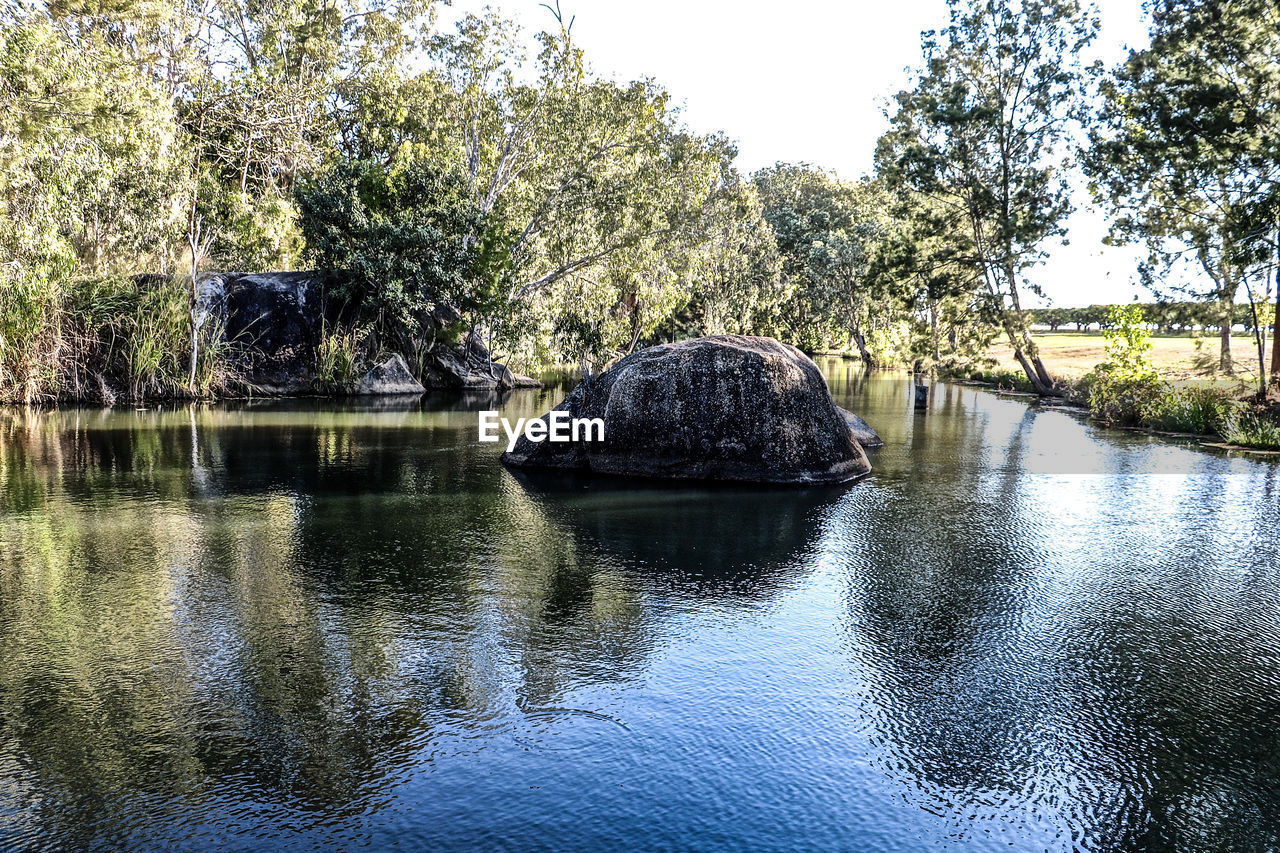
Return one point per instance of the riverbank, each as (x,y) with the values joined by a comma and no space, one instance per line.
(275,334)
(1158,406)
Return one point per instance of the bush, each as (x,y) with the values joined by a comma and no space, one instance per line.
(1123,399)
(393,239)
(986,372)
(1253,429)
(1125,386)
(1202,411)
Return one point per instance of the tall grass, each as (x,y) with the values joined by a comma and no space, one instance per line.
(1200,411)
(30,336)
(103,339)
(338,359)
(1253,429)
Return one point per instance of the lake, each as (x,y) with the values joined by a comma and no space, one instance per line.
(289,624)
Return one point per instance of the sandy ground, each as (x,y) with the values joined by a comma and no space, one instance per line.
(1177,358)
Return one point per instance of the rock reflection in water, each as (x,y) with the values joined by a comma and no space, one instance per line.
(727,541)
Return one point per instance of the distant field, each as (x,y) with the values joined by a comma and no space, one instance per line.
(1070,354)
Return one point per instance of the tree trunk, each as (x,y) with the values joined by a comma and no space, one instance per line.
(1275,327)
(195,324)
(861,341)
(1024,348)
(933,323)
(1260,340)
(195,352)
(1042,388)
(1225,362)
(1043,372)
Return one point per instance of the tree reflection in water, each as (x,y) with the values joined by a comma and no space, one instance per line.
(306,623)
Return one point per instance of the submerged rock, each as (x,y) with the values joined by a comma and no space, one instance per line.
(727,407)
(861,430)
(391,376)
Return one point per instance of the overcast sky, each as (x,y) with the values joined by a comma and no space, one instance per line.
(804,80)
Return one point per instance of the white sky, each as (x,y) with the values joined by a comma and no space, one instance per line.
(806,80)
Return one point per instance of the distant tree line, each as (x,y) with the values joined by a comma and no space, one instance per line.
(1160,317)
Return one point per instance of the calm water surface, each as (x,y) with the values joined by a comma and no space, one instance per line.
(286,626)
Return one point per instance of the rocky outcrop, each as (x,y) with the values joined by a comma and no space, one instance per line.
(470,367)
(861,430)
(390,376)
(728,407)
(273,322)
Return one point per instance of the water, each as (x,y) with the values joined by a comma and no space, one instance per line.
(288,625)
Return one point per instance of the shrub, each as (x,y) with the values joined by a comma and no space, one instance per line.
(985,371)
(1253,429)
(1202,411)
(1124,387)
(1123,399)
(395,240)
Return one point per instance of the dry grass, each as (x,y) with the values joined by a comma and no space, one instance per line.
(1176,358)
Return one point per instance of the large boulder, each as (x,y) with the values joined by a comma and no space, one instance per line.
(727,407)
(273,321)
(391,376)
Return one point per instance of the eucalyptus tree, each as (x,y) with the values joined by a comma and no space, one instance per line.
(824,229)
(984,134)
(923,266)
(89,169)
(1187,148)
(593,189)
(738,287)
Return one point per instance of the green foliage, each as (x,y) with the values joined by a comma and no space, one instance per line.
(825,230)
(338,358)
(1253,429)
(1125,386)
(986,373)
(1199,411)
(1128,344)
(1185,150)
(982,138)
(395,240)
(561,215)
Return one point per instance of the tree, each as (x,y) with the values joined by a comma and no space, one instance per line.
(983,134)
(395,242)
(737,287)
(1187,150)
(923,265)
(825,231)
(90,167)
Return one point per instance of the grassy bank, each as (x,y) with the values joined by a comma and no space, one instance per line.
(1128,378)
(1177,358)
(108,341)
